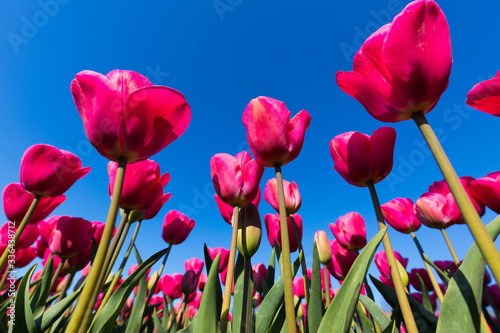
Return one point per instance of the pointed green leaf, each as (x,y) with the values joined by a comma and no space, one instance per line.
(135,320)
(426,301)
(24,320)
(54,312)
(316,308)
(463,296)
(364,322)
(42,291)
(339,315)
(156,321)
(239,275)
(279,321)
(443,275)
(382,320)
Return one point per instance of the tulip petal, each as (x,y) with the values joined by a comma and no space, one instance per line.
(227,177)
(485,96)
(382,143)
(296,131)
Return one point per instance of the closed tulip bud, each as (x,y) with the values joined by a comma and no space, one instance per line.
(249,230)
(342,260)
(224,257)
(70,236)
(27,238)
(398,213)
(125,115)
(360,158)
(49,172)
(323,246)
(274,138)
(236,179)
(437,210)
(171,285)
(404,66)
(403,274)
(487,190)
(135,215)
(152,280)
(142,186)
(226,211)
(272,223)
(350,231)
(484,96)
(259,276)
(176,227)
(16,202)
(292,196)
(383,265)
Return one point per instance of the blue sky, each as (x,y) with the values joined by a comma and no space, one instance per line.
(221,54)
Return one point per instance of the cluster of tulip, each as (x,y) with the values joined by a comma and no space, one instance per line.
(399,73)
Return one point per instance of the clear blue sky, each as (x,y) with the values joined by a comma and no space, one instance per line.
(220,55)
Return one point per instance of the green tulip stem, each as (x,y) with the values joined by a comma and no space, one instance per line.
(118,248)
(247,295)
(302,262)
(432,277)
(57,273)
(67,283)
(408,318)
(469,213)
(450,246)
(160,272)
(224,318)
(79,321)
(285,254)
(326,273)
(121,233)
(19,231)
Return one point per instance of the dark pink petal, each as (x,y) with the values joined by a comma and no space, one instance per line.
(485,96)
(382,144)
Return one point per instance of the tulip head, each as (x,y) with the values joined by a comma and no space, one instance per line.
(342,260)
(487,190)
(176,227)
(436,210)
(224,257)
(274,138)
(398,213)
(323,246)
(249,230)
(70,236)
(273,229)
(350,231)
(383,265)
(171,285)
(259,276)
(292,196)
(485,96)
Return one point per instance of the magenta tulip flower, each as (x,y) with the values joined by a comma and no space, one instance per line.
(383,265)
(27,238)
(259,276)
(49,172)
(485,96)
(126,116)
(274,138)
(70,236)
(360,158)
(154,209)
(272,223)
(16,202)
(292,196)
(202,282)
(487,190)
(436,210)
(226,211)
(171,285)
(398,213)
(224,257)
(236,179)
(142,186)
(25,256)
(350,231)
(342,260)
(298,287)
(191,277)
(412,277)
(176,227)
(404,66)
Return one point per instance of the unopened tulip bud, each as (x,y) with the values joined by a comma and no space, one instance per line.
(135,215)
(249,230)
(323,246)
(152,280)
(402,273)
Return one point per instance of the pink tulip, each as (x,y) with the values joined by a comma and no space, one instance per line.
(202,282)
(236,179)
(153,210)
(398,213)
(171,285)
(226,211)
(70,236)
(176,227)
(49,172)
(259,276)
(485,96)
(412,276)
(25,256)
(27,238)
(383,265)
(274,139)
(142,186)
(80,261)
(191,277)
(292,196)
(437,210)
(272,223)
(16,202)
(487,190)
(40,248)
(404,66)
(495,295)
(124,115)
(298,287)
(342,260)
(197,300)
(360,158)
(350,231)
(224,257)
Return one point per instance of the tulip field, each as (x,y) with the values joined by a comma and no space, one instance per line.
(80,275)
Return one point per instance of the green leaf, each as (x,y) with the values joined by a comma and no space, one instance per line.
(382,320)
(106,319)
(279,321)
(55,312)
(444,276)
(135,319)
(158,325)
(338,317)
(316,308)
(271,304)
(42,291)
(426,302)
(239,290)
(270,274)
(463,296)
(208,259)
(24,320)
(366,325)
